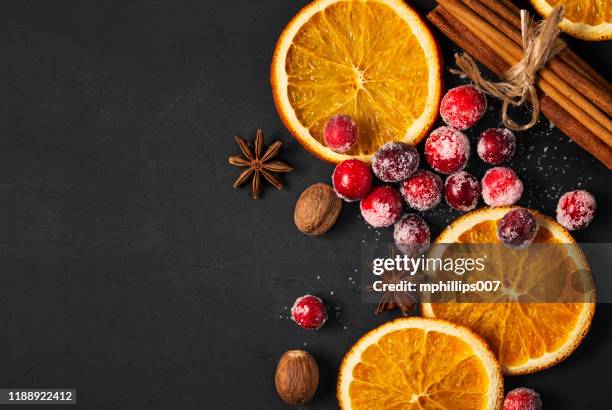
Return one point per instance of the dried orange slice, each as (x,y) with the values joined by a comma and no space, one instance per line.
(374,60)
(584,19)
(526,337)
(417,363)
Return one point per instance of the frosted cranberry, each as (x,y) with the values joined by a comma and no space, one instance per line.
(517,228)
(461,191)
(447,150)
(576,209)
(352,180)
(340,133)
(395,161)
(382,206)
(496,145)
(501,187)
(309,312)
(522,398)
(422,190)
(463,106)
(411,234)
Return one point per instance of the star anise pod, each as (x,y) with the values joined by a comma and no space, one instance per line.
(258,165)
(405,301)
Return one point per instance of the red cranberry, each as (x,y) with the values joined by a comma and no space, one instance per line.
(461,191)
(411,234)
(422,190)
(382,206)
(496,145)
(309,312)
(340,133)
(522,398)
(517,228)
(501,187)
(395,161)
(576,209)
(447,150)
(463,106)
(352,179)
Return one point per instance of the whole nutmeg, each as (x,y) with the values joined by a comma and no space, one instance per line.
(297,377)
(317,209)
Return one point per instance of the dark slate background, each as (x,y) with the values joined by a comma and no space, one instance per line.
(132,271)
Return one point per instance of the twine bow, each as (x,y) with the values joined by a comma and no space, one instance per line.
(540,44)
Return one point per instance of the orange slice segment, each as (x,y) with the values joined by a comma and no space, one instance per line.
(526,337)
(417,363)
(584,19)
(374,60)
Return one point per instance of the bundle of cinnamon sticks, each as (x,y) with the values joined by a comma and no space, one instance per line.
(573,96)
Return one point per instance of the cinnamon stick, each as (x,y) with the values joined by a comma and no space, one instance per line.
(464,38)
(574,60)
(599,96)
(562,93)
(496,20)
(511,13)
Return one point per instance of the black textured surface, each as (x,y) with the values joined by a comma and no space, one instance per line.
(132,271)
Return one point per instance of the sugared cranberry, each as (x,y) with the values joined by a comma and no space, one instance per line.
(340,133)
(309,312)
(395,161)
(576,209)
(447,150)
(501,187)
(461,191)
(422,190)
(496,145)
(411,234)
(522,398)
(517,228)
(352,180)
(382,206)
(463,106)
